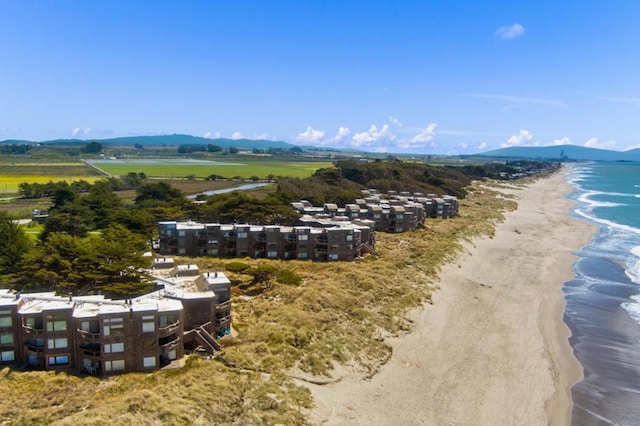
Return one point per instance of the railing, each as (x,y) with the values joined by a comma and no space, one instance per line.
(169,346)
(87,335)
(32,330)
(168,329)
(93,353)
(35,348)
(223,306)
(223,319)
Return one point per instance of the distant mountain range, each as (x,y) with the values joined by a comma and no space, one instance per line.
(563,152)
(170,140)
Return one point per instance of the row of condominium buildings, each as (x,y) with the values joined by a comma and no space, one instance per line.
(187,312)
(323,233)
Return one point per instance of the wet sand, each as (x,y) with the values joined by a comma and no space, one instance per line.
(493,348)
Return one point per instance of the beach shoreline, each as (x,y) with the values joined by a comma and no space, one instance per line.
(493,348)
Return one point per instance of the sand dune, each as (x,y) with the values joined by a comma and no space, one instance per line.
(492,349)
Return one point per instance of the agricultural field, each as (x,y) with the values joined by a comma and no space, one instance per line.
(13,173)
(179,168)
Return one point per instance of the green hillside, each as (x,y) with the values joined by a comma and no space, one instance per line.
(563,152)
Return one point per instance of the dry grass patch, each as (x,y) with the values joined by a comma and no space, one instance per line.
(335,314)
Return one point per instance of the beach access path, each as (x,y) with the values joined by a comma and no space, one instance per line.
(493,348)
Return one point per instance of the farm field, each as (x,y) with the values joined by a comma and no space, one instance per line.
(177,168)
(13,173)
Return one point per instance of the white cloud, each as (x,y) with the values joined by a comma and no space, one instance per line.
(395,121)
(310,135)
(509,32)
(236,136)
(521,138)
(630,147)
(260,136)
(483,145)
(372,135)
(595,143)
(426,135)
(209,135)
(78,130)
(562,141)
(343,132)
(463,145)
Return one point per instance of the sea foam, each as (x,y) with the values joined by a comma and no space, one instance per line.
(633,308)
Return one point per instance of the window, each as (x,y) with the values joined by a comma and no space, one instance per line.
(349,237)
(181,233)
(212,242)
(149,361)
(56,323)
(7,356)
(333,256)
(182,250)
(399,216)
(242,235)
(57,343)
(272,254)
(113,347)
(112,326)
(302,255)
(59,360)
(6,322)
(148,324)
(115,365)
(33,322)
(90,326)
(6,339)
(212,252)
(303,237)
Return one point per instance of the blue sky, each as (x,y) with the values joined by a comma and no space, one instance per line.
(437,77)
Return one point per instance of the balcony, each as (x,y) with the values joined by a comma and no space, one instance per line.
(169,329)
(85,335)
(223,306)
(32,331)
(223,322)
(35,349)
(168,347)
(91,353)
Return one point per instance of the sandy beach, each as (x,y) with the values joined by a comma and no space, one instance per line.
(493,348)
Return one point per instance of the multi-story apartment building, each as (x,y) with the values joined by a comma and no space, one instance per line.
(392,213)
(101,336)
(338,241)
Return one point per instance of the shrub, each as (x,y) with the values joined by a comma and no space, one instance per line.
(289,277)
(237,267)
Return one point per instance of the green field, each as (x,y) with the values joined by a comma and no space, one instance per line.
(178,168)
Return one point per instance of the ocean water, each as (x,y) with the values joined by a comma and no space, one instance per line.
(603,301)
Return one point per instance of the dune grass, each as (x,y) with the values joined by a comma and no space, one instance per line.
(334,314)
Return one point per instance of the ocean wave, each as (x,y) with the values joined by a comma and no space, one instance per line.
(586,198)
(633,308)
(633,268)
(586,214)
